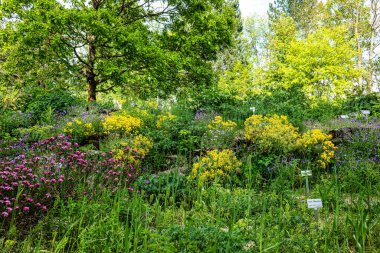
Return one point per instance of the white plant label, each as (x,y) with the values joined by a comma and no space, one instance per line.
(253,109)
(314,203)
(344,117)
(305,173)
(366,112)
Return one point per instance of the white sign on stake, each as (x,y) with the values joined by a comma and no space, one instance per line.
(253,109)
(305,173)
(314,203)
(366,112)
(344,116)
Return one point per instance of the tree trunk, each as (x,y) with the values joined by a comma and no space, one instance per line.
(91,82)
(370,61)
(90,75)
(357,37)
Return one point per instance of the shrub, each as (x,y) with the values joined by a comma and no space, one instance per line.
(163,118)
(216,166)
(220,133)
(11,120)
(39,101)
(120,123)
(271,134)
(316,143)
(79,129)
(133,149)
(274,135)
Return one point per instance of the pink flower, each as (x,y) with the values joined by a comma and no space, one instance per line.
(5,214)
(26,209)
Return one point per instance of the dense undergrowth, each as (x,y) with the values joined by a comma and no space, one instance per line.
(169,177)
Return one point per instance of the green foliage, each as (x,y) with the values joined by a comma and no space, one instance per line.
(43,104)
(355,103)
(107,44)
(12,120)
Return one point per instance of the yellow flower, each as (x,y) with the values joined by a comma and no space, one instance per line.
(121,123)
(219,124)
(78,121)
(216,164)
(311,140)
(163,118)
(271,133)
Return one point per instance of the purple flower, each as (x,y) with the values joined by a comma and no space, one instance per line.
(25,209)
(5,214)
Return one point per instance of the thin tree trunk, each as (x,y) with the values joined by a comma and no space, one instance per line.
(357,36)
(370,61)
(90,75)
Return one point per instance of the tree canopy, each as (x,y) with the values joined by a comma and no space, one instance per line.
(147,46)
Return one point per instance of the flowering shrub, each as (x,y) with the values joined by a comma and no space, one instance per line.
(216,164)
(316,142)
(164,118)
(128,149)
(219,124)
(120,123)
(79,129)
(274,134)
(220,133)
(271,134)
(33,178)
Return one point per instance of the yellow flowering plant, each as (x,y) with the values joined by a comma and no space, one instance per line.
(317,143)
(79,129)
(220,133)
(271,134)
(133,149)
(121,123)
(162,119)
(275,135)
(216,165)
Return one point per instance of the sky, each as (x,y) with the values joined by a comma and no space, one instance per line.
(250,7)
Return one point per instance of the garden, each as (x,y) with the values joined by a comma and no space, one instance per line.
(170,176)
(142,126)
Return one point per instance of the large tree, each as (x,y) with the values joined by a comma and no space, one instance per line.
(322,65)
(137,44)
(307,14)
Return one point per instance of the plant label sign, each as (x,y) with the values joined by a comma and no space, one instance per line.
(366,112)
(253,109)
(344,117)
(305,173)
(314,203)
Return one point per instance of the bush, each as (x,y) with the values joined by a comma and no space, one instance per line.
(217,166)
(12,120)
(271,134)
(274,136)
(220,134)
(40,103)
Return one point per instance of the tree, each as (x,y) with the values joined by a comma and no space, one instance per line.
(139,45)
(307,14)
(355,15)
(374,43)
(321,65)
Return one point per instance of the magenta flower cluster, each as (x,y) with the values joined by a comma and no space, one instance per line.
(31,180)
